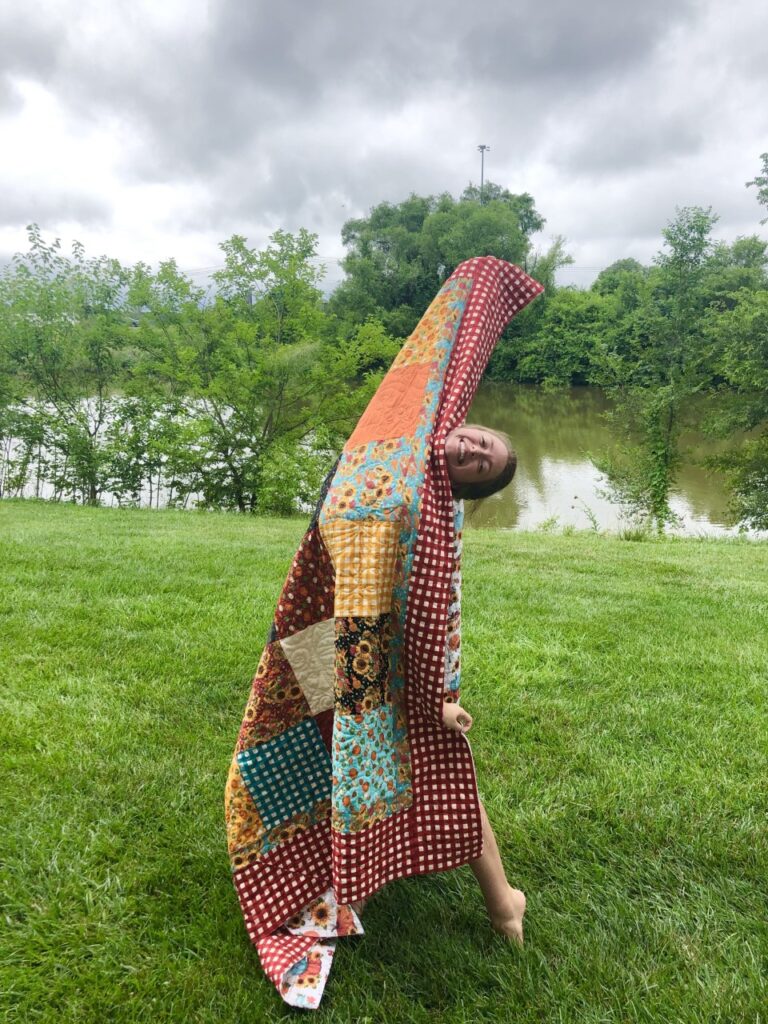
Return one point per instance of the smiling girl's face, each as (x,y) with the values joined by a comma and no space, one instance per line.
(474,455)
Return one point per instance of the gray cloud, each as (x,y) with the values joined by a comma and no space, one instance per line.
(628,140)
(200,101)
(22,206)
(29,42)
(295,113)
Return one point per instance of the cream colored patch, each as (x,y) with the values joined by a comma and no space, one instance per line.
(311,653)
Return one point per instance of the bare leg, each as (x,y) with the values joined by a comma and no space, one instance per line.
(358,906)
(505,905)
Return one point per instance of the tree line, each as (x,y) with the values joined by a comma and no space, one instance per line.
(127,379)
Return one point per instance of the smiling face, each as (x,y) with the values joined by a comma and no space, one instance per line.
(474,455)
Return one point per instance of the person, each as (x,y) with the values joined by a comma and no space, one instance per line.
(481,462)
(351,769)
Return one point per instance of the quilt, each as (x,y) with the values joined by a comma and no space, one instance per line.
(343,777)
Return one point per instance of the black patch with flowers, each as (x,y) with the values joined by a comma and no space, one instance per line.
(362,662)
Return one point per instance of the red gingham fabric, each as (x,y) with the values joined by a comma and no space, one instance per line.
(280,951)
(441,829)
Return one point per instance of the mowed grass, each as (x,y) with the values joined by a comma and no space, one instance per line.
(620,739)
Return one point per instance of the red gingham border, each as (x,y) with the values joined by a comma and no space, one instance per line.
(280,951)
(442,828)
(284,880)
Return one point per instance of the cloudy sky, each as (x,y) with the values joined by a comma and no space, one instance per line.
(156,128)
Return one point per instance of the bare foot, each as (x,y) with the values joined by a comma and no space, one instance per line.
(509,921)
(358,906)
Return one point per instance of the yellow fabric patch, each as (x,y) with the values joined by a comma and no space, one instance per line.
(245,828)
(438,322)
(363,554)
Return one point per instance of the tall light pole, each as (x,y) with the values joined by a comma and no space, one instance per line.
(482,149)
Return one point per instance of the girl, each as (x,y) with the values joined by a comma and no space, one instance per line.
(351,768)
(481,462)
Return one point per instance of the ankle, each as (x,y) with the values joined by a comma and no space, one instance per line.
(510,905)
(507,917)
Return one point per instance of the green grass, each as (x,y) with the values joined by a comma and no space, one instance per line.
(620,738)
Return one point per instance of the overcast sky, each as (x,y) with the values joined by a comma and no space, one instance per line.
(156,128)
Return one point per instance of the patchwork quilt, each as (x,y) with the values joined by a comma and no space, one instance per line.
(344,777)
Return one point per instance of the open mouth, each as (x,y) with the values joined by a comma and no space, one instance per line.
(460,459)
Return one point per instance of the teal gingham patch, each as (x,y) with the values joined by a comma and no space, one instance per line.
(287,775)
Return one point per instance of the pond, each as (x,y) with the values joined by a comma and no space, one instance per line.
(555,481)
(556,485)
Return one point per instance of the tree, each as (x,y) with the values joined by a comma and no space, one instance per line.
(653,361)
(63,329)
(139,379)
(528,217)
(399,255)
(737,326)
(559,353)
(740,334)
(733,267)
(523,351)
(624,280)
(760,181)
(259,372)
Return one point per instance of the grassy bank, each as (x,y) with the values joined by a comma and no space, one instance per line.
(620,737)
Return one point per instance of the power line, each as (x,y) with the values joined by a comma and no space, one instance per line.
(221,266)
(339,259)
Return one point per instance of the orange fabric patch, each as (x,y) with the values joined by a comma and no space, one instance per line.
(395,409)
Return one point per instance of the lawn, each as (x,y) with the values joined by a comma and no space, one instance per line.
(619,691)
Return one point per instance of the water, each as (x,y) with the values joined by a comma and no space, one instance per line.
(555,480)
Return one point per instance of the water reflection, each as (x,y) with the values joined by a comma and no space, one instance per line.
(555,480)
(552,434)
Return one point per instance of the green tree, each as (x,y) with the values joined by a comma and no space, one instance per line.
(653,361)
(560,352)
(731,268)
(135,381)
(400,254)
(259,373)
(760,181)
(740,334)
(738,327)
(64,333)
(624,280)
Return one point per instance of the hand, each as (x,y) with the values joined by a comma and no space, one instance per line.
(456,718)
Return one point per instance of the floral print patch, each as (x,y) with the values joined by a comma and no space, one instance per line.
(307,595)
(377,479)
(362,662)
(276,703)
(371,767)
(438,325)
(302,985)
(324,918)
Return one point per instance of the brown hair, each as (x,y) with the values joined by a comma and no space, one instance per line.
(485,488)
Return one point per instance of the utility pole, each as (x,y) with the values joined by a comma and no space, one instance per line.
(482,149)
